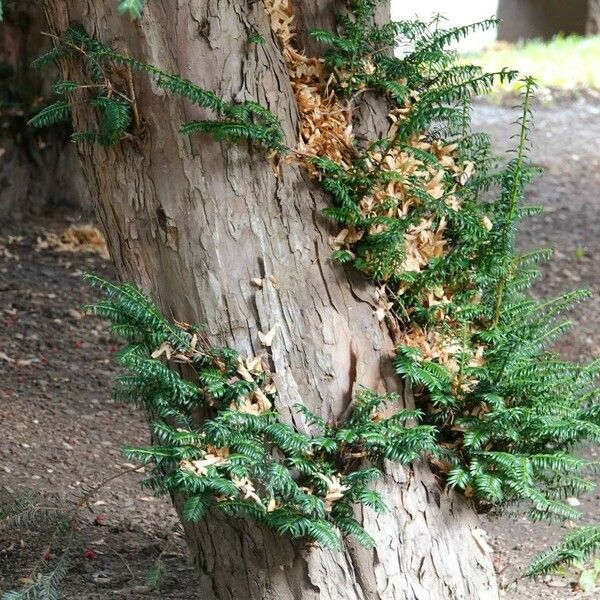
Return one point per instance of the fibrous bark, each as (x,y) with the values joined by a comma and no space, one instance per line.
(193,222)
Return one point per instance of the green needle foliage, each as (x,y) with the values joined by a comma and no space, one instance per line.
(577,547)
(104,87)
(30,512)
(242,459)
(131,7)
(501,413)
(51,114)
(47,586)
(510,419)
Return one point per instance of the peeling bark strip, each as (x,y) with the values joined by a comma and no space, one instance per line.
(194,222)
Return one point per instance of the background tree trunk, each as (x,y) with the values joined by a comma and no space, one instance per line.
(192,222)
(593,19)
(38,170)
(529,19)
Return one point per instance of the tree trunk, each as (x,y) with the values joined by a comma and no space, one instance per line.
(593,18)
(192,222)
(38,170)
(530,19)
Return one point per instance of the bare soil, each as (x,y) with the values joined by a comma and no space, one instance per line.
(61,432)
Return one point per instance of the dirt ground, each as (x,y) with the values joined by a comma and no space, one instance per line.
(60,432)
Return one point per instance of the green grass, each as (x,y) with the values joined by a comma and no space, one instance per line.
(565,63)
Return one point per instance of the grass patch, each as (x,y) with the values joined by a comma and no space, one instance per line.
(564,63)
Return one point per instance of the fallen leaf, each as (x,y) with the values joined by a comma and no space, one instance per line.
(100,542)
(27,362)
(380,314)
(266,339)
(164,349)
(76,314)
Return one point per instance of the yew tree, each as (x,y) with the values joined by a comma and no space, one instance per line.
(332,338)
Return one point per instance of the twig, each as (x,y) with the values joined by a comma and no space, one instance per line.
(136,114)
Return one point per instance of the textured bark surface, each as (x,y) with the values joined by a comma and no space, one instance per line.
(529,19)
(37,170)
(192,222)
